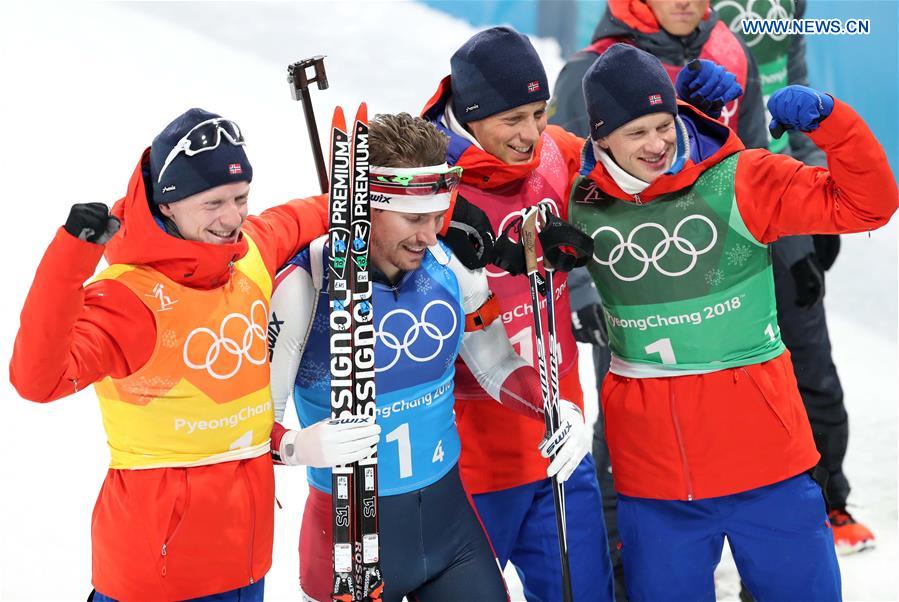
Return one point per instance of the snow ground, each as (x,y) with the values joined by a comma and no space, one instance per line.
(87,85)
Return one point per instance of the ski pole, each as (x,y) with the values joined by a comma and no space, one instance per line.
(299,80)
(549,375)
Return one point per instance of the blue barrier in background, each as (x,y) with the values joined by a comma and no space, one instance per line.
(863,70)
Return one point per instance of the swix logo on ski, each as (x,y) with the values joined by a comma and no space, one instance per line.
(401,405)
(348,420)
(225,422)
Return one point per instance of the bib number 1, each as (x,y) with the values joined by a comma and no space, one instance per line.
(664,349)
(400,435)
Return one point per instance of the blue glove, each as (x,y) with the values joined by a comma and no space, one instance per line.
(797,107)
(707,86)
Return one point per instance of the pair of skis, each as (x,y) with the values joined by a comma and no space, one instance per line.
(549,374)
(354,488)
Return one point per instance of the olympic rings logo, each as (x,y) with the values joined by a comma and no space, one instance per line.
(775,12)
(417,326)
(220,342)
(659,251)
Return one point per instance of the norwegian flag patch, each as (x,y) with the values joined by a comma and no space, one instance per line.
(533,86)
(655,99)
(235,168)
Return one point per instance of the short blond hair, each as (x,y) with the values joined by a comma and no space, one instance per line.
(402,140)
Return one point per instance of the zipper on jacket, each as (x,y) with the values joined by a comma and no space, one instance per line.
(168,540)
(637,199)
(680,444)
(231,276)
(243,468)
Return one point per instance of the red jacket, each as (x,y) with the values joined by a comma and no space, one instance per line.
(499,448)
(708,435)
(218,518)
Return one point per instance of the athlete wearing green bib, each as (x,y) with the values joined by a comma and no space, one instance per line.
(707,433)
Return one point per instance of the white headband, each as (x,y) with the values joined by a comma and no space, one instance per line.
(407,203)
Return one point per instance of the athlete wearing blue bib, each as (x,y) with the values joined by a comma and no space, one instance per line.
(428,309)
(419,324)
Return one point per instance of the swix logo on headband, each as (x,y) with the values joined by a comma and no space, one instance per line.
(533,86)
(655,99)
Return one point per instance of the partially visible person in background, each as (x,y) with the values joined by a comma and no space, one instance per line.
(801,315)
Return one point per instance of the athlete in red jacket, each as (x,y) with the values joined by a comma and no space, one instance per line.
(173,336)
(707,432)
(493,107)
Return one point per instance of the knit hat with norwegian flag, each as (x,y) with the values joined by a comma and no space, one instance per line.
(186,175)
(625,83)
(496,70)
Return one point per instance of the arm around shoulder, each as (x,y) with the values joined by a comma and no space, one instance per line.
(282,230)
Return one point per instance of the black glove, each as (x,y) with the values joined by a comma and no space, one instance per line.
(508,255)
(809,279)
(566,247)
(92,222)
(589,326)
(827,247)
(470,235)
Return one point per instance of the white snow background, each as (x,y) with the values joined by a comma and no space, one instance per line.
(84,87)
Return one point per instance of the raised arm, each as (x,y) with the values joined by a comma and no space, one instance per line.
(70,335)
(779,196)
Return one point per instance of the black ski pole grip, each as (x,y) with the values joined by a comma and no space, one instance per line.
(299,79)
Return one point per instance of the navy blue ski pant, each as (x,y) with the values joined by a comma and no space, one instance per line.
(779,534)
(249,593)
(521,523)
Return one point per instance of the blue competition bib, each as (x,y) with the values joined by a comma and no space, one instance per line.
(419,327)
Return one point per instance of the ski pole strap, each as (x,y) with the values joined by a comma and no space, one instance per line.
(483,316)
(565,247)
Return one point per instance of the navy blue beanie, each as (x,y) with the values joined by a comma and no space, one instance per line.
(625,83)
(185,175)
(496,70)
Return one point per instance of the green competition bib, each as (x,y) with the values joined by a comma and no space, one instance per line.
(684,284)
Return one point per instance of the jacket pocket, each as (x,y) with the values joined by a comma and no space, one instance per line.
(769,395)
(179,511)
